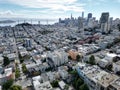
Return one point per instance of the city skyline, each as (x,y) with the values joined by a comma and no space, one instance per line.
(47,9)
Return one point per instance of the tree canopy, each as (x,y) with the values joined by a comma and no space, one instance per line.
(6,61)
(24,68)
(17,73)
(78,57)
(55,83)
(7,84)
(83,87)
(92,60)
(16,87)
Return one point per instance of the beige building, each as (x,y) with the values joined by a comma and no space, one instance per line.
(73,54)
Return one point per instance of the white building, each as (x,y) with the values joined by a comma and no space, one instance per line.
(63,74)
(96,78)
(91,23)
(8,74)
(58,57)
(11,56)
(62,85)
(103,63)
(116,66)
(39,85)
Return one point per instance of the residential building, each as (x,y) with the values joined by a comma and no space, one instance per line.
(96,78)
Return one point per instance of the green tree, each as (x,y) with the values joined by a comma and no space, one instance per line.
(73,72)
(55,83)
(66,87)
(78,57)
(69,57)
(6,61)
(16,87)
(35,73)
(83,87)
(115,59)
(24,69)
(109,67)
(21,58)
(92,60)
(7,84)
(79,82)
(17,73)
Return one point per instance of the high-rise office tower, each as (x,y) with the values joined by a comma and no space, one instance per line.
(89,15)
(82,14)
(59,20)
(80,22)
(104,22)
(72,18)
(39,22)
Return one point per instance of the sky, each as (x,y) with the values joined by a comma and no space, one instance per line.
(54,9)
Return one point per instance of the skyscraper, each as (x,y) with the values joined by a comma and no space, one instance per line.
(82,14)
(104,22)
(71,16)
(80,22)
(59,20)
(104,17)
(89,15)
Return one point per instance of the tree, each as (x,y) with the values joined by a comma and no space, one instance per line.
(78,57)
(6,61)
(118,72)
(55,83)
(66,87)
(83,87)
(115,59)
(7,84)
(109,67)
(79,82)
(16,87)
(73,72)
(69,57)
(24,69)
(17,73)
(21,58)
(92,60)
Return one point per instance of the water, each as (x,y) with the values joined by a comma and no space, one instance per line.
(29,21)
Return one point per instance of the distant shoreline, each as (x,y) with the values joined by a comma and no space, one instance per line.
(28,21)
(6,21)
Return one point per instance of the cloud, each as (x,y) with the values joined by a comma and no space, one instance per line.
(9,14)
(43,8)
(64,5)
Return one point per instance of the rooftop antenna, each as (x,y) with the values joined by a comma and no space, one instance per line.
(39,22)
(24,21)
(47,21)
(18,21)
(71,16)
(31,21)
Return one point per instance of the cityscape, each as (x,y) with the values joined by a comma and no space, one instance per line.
(71,53)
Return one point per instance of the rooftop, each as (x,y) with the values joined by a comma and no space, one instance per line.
(116,84)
